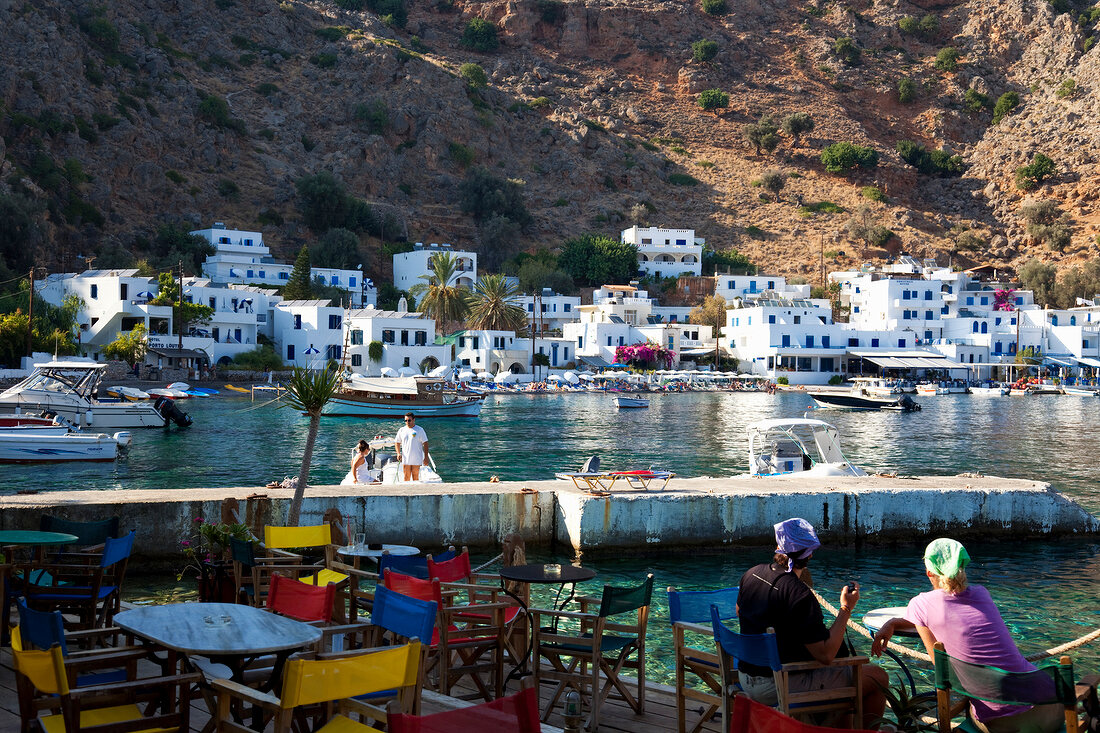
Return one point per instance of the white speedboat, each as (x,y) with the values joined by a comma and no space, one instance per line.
(622,401)
(59,444)
(858,399)
(1081,391)
(878,387)
(69,389)
(989,389)
(930,389)
(800,446)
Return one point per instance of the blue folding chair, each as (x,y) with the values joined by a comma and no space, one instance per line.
(763,651)
(689,612)
(81,586)
(413,565)
(43,629)
(398,619)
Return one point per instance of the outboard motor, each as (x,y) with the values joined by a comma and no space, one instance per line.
(908,404)
(170,411)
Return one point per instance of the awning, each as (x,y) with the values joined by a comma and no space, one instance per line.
(595,361)
(1065,361)
(1088,361)
(903,361)
(179,353)
(696,352)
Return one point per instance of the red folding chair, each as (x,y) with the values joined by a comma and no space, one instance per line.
(456,573)
(749,716)
(312,604)
(517,713)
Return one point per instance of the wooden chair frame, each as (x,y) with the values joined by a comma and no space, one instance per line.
(704,664)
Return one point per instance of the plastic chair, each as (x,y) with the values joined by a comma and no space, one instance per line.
(763,651)
(689,612)
(517,713)
(1050,683)
(159,703)
(91,591)
(749,716)
(335,681)
(471,650)
(607,653)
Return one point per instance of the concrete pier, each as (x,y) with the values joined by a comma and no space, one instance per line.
(690,513)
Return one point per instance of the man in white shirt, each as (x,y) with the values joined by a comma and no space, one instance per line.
(412,448)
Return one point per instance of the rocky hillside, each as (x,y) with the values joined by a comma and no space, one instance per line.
(121,116)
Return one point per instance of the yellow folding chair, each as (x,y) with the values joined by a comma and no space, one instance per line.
(339,691)
(279,539)
(114,704)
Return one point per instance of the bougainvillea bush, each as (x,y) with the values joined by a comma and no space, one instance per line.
(644,355)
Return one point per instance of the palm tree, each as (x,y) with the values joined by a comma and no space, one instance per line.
(493,306)
(309,392)
(446,303)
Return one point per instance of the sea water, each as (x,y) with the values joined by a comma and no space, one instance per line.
(1047,591)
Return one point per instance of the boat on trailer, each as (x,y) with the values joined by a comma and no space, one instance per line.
(394,396)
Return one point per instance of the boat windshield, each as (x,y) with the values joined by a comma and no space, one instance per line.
(48,382)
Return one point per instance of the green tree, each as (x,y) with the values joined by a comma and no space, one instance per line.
(500,241)
(338,248)
(728,261)
(864,226)
(540,361)
(1047,223)
(594,259)
(930,162)
(494,306)
(184,314)
(947,59)
(480,35)
(1005,104)
(1029,177)
(308,392)
(299,286)
(907,90)
(260,358)
(763,135)
(847,51)
(535,275)
(13,338)
(843,157)
(703,50)
(474,75)
(797,124)
(446,303)
(325,204)
(482,194)
(128,347)
(1040,278)
(711,312)
(372,117)
(710,99)
(715,7)
(21,233)
(773,182)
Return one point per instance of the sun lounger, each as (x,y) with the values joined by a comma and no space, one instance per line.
(604,481)
(642,479)
(589,480)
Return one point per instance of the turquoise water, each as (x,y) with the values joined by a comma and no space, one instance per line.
(236,443)
(1048,592)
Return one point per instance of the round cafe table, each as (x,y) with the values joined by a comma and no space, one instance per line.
(12,538)
(541,574)
(364,551)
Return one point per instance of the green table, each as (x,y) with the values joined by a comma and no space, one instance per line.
(11,538)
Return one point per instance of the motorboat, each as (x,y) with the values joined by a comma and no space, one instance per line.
(989,389)
(1081,391)
(169,392)
(930,389)
(622,402)
(70,389)
(394,396)
(30,443)
(877,386)
(797,446)
(384,468)
(858,399)
(132,394)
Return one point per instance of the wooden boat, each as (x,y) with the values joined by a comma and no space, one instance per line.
(635,402)
(394,396)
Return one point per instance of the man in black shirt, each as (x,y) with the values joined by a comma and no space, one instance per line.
(773,595)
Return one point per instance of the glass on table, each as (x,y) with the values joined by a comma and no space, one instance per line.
(360,540)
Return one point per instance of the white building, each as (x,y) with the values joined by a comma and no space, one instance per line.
(242,257)
(549,311)
(666,252)
(410,267)
(752,287)
(493,351)
(309,332)
(408,341)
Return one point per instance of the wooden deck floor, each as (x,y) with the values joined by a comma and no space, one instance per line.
(616,717)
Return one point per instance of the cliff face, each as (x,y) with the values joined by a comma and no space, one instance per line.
(591,103)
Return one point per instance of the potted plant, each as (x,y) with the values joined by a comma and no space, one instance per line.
(206,554)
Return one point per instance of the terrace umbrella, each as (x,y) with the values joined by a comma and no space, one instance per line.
(388,372)
(408,371)
(586,377)
(466,376)
(484,376)
(146,295)
(504,378)
(572,377)
(555,378)
(439,371)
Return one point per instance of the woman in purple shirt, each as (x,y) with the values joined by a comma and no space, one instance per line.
(968,623)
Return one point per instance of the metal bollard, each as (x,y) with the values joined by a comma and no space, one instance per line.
(571,711)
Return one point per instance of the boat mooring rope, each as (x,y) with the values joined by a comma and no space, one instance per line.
(481,567)
(864,631)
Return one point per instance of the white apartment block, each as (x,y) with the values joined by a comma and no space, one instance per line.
(493,351)
(408,340)
(751,287)
(666,252)
(242,257)
(410,267)
(549,311)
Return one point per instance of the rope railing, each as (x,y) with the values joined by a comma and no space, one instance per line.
(906,651)
(484,565)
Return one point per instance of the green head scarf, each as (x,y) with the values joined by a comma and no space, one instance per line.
(945,557)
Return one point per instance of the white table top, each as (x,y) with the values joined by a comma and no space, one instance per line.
(353,551)
(217,629)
